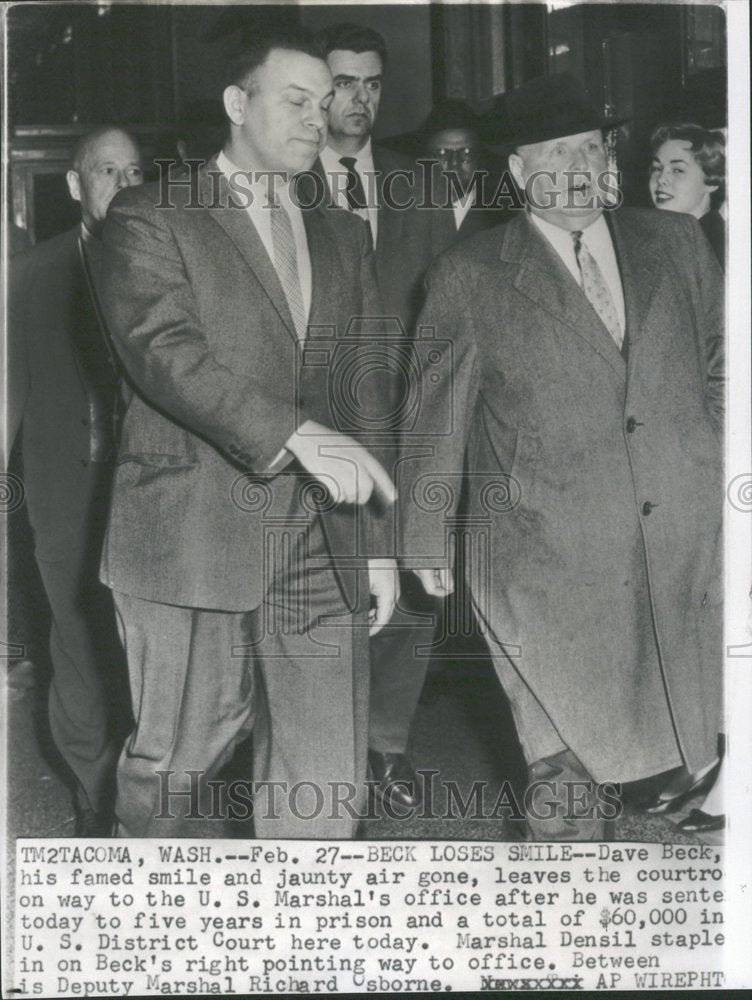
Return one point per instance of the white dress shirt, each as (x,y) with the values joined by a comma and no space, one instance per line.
(336,176)
(462,206)
(258,212)
(597,239)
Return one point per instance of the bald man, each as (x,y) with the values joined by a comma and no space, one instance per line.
(63,391)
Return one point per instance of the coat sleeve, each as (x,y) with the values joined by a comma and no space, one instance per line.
(152,315)
(710,282)
(16,348)
(445,392)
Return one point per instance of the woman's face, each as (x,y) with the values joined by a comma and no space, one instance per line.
(677,183)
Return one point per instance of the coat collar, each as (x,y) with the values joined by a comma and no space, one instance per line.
(640,266)
(215,195)
(543,278)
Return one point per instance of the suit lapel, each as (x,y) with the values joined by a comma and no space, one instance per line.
(242,232)
(389,233)
(545,280)
(640,269)
(324,262)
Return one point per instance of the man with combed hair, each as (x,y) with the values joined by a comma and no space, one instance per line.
(587,395)
(231,543)
(63,389)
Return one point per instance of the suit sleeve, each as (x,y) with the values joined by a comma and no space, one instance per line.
(432,452)
(152,314)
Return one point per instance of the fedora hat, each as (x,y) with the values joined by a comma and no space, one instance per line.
(448,113)
(543,108)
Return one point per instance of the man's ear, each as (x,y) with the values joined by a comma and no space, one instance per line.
(516,165)
(74,184)
(234,101)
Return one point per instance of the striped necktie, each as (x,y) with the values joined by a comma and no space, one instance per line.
(595,288)
(286,266)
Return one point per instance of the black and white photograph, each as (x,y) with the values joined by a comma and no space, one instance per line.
(376,497)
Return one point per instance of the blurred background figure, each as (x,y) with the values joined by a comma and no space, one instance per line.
(688,174)
(64,392)
(450,135)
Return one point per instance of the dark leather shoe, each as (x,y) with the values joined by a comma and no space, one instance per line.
(93,824)
(692,786)
(701,822)
(398,785)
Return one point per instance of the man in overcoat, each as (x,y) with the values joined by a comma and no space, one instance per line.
(231,548)
(582,383)
(63,395)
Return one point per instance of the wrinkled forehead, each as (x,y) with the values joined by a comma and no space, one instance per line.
(535,150)
(115,146)
(361,65)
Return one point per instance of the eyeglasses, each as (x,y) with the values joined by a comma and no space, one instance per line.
(462,155)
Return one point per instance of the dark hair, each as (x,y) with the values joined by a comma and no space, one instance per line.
(352,38)
(255,53)
(708,148)
(86,142)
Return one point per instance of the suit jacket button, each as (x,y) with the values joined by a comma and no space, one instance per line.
(84,462)
(85,421)
(647,507)
(631,425)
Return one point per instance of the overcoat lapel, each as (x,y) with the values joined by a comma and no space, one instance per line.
(218,198)
(545,280)
(640,268)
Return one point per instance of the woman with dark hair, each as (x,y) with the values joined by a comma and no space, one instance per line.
(688,174)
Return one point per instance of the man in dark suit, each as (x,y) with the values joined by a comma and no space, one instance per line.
(63,390)
(587,394)
(385,189)
(450,136)
(240,509)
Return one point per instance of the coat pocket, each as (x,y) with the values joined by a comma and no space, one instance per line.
(149,438)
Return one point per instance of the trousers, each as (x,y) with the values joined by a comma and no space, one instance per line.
(293,671)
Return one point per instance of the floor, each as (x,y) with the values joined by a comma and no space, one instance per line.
(463,730)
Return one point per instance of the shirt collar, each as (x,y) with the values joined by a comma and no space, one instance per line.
(363,159)
(592,235)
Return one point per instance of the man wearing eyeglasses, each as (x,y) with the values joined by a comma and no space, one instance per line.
(385,189)
(451,138)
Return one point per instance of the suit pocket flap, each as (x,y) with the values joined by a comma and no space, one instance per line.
(157,460)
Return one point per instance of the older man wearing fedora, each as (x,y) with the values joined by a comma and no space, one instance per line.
(586,393)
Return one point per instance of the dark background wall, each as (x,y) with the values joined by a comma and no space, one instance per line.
(73,66)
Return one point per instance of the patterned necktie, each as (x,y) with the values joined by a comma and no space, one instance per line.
(355,193)
(286,266)
(595,288)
